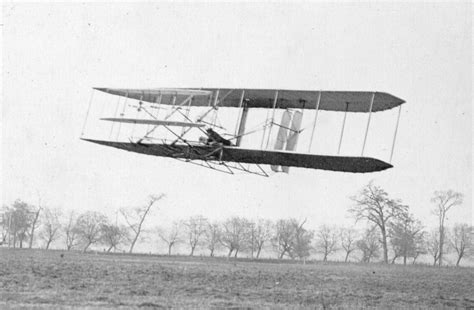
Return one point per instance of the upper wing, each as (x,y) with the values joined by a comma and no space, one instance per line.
(353,101)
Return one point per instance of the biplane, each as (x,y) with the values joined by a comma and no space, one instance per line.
(223,151)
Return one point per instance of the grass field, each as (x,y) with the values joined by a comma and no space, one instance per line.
(47,279)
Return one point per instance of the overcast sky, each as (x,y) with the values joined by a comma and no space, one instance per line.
(53,54)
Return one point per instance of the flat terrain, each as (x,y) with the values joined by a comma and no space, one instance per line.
(47,279)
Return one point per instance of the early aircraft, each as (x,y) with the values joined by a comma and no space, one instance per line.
(214,151)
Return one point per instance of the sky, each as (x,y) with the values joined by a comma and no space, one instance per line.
(53,54)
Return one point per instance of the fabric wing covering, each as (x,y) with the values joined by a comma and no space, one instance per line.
(250,156)
(357,101)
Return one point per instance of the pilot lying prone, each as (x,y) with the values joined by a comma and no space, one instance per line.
(213,138)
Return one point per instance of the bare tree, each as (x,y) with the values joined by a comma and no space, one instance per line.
(212,236)
(369,245)
(420,246)
(461,240)
(432,245)
(195,229)
(444,201)
(89,226)
(51,226)
(34,222)
(326,241)
(171,236)
(292,239)
(374,205)
(136,217)
(348,237)
(283,241)
(112,235)
(260,231)
(71,231)
(406,233)
(234,235)
(302,243)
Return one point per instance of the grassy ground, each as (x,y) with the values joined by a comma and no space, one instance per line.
(47,279)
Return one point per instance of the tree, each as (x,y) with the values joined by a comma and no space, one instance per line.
(21,217)
(5,224)
(283,241)
(302,243)
(71,231)
(444,201)
(369,245)
(461,240)
(260,231)
(374,205)
(406,233)
(35,217)
(89,226)
(136,217)
(326,241)
(292,239)
(112,235)
(432,245)
(171,236)
(235,235)
(51,226)
(420,246)
(348,237)
(212,236)
(195,229)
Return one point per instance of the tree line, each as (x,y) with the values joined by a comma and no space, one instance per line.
(391,233)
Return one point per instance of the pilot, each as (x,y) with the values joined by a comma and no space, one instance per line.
(214,138)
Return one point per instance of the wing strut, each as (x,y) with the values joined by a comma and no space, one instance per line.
(87,113)
(238,116)
(121,115)
(395,133)
(273,117)
(315,120)
(342,129)
(243,121)
(368,122)
(115,116)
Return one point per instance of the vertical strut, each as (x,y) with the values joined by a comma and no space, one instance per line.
(315,120)
(140,103)
(395,133)
(215,99)
(87,113)
(115,115)
(368,123)
(243,120)
(239,115)
(342,129)
(273,118)
(173,103)
(186,117)
(121,115)
(157,101)
(264,130)
(215,108)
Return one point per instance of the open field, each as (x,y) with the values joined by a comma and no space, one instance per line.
(44,279)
